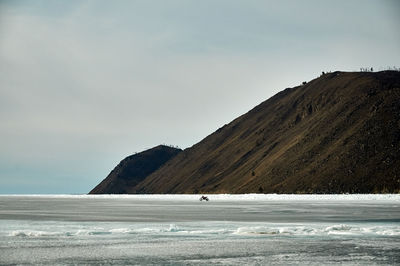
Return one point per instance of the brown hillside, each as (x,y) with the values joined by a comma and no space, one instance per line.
(133,169)
(338,133)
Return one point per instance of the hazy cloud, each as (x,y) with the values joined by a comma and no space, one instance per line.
(85,83)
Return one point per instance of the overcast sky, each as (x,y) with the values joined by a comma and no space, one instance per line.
(84,84)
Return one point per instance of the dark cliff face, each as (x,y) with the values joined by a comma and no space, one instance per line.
(338,133)
(133,169)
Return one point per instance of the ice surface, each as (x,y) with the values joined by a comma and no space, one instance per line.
(180,230)
(231,197)
(71,230)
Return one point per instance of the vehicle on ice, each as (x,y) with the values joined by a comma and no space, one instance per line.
(204,198)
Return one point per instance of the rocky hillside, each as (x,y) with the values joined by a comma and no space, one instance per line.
(134,169)
(338,133)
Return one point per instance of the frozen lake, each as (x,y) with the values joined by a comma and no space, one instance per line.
(181,230)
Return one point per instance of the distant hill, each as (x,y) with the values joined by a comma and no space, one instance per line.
(133,169)
(339,133)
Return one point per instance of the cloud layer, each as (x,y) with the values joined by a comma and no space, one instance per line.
(85,83)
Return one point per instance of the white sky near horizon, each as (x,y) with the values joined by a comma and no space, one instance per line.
(84,84)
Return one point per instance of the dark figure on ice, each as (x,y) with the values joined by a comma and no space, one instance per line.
(203,198)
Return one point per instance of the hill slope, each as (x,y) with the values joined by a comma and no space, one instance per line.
(338,133)
(133,169)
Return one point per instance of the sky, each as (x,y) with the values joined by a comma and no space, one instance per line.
(83,84)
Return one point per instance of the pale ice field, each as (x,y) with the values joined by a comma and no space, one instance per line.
(251,229)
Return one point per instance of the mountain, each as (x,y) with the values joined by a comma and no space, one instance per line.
(339,133)
(133,169)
